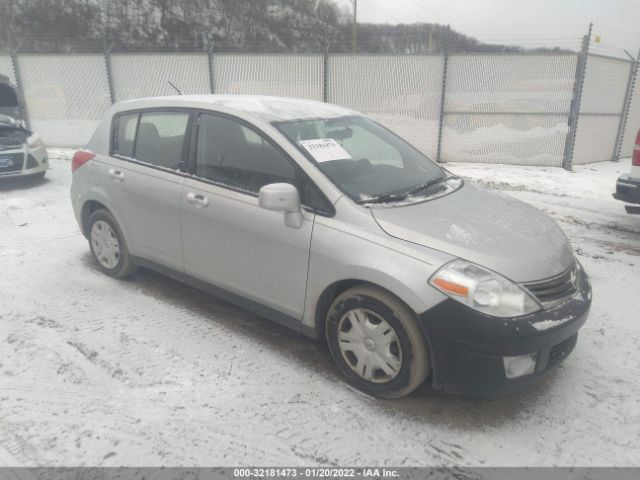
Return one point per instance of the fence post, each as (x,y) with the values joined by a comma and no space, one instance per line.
(445,50)
(624,115)
(107,66)
(574,110)
(212,82)
(325,77)
(20,85)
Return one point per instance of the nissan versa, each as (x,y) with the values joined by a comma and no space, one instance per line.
(319,218)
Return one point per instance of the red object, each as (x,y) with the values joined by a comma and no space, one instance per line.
(635,160)
(80,158)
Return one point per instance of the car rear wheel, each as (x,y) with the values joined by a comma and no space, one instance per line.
(108,246)
(376,342)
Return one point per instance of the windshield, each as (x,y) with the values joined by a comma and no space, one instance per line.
(365,160)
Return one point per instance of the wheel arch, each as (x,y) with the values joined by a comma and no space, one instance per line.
(332,291)
(88,208)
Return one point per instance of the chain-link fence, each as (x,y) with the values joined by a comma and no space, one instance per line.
(542,109)
(401,92)
(6,67)
(502,108)
(269,74)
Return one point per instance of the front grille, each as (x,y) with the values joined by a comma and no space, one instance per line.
(11,162)
(10,143)
(554,290)
(562,350)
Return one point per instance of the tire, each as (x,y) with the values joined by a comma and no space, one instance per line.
(104,240)
(403,360)
(39,175)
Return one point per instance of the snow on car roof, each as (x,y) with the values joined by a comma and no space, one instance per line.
(269,109)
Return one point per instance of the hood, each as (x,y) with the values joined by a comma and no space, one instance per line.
(11,101)
(12,133)
(484,227)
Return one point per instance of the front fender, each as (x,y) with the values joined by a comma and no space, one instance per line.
(337,255)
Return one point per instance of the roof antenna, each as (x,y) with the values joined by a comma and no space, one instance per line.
(176,88)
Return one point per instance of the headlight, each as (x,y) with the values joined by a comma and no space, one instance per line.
(34,141)
(483,290)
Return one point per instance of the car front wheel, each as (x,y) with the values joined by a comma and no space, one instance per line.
(376,342)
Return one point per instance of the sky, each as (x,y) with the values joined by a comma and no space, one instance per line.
(525,22)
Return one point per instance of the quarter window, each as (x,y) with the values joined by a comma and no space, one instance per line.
(125,134)
(160,138)
(233,154)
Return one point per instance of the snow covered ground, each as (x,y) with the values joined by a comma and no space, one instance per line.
(95,371)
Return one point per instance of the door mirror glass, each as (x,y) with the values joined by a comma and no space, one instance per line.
(282,197)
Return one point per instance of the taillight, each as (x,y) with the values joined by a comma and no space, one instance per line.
(80,158)
(635,160)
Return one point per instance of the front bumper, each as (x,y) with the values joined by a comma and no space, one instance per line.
(627,189)
(23,162)
(468,347)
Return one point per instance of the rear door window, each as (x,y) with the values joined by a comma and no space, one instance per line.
(160,138)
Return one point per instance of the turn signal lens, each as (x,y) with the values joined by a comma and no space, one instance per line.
(453,288)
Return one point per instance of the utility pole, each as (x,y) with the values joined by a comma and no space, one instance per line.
(354,27)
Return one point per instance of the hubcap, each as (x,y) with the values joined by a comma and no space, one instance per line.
(369,345)
(106,247)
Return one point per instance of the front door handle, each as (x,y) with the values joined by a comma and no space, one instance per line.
(116,175)
(197,199)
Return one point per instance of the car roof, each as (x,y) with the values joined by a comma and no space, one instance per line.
(269,109)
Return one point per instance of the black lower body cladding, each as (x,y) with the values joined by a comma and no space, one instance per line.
(627,189)
(468,347)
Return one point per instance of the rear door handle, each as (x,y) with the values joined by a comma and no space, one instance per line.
(116,174)
(197,199)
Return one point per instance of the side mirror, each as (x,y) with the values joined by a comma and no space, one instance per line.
(282,197)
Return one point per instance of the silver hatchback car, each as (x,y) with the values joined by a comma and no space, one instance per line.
(320,219)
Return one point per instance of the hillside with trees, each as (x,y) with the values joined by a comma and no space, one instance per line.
(212,25)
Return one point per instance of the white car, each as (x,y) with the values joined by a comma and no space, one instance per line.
(628,184)
(22,152)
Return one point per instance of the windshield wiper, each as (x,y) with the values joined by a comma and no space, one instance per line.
(397,197)
(384,198)
(425,185)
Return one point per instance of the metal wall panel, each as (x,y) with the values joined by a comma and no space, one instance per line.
(401,92)
(279,75)
(148,75)
(605,85)
(601,105)
(595,138)
(66,96)
(6,68)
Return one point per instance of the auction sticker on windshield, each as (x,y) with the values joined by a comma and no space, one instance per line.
(325,149)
